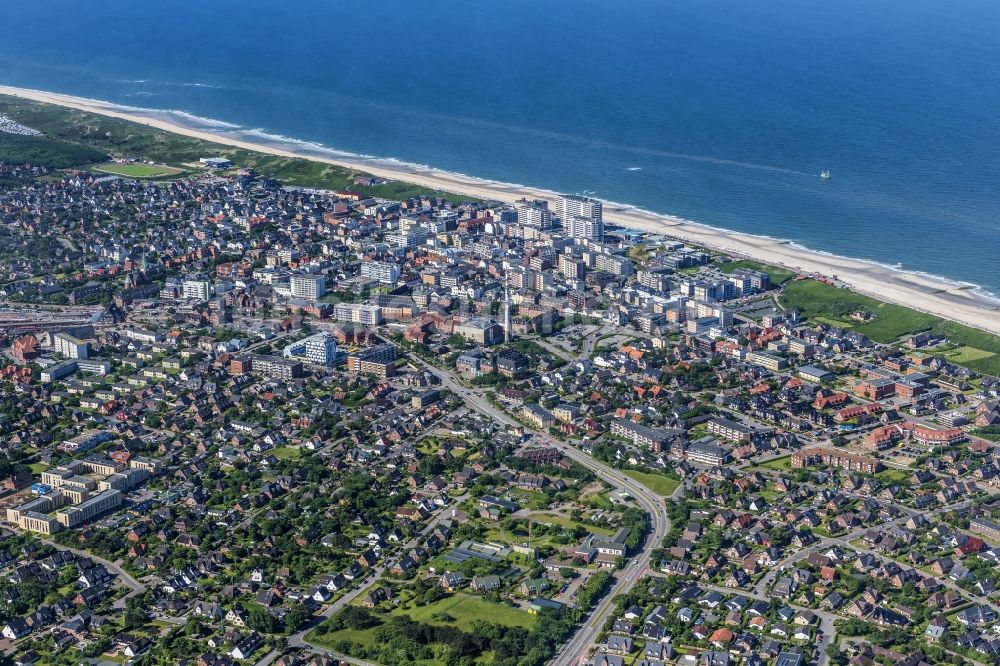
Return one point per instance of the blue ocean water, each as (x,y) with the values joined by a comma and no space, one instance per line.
(721,111)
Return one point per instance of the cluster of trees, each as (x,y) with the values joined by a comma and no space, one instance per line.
(402,640)
(592,590)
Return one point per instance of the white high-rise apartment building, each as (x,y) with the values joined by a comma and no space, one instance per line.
(574,205)
(69,346)
(308,286)
(582,217)
(534,214)
(584,227)
(197,289)
(383,271)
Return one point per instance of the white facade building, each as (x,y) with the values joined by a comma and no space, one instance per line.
(320,348)
(383,271)
(197,289)
(69,346)
(308,286)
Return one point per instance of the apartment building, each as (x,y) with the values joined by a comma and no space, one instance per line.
(383,271)
(87,510)
(307,285)
(276,367)
(731,430)
(835,458)
(358,313)
(69,346)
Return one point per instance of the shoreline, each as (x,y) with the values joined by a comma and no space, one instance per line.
(926,293)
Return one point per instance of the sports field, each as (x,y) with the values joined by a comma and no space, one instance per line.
(138,170)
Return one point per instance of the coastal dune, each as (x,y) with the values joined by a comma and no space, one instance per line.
(925,293)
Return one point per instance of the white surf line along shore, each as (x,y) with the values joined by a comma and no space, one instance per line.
(925,293)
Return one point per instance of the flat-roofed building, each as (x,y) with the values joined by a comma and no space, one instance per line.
(69,346)
(383,271)
(538,416)
(149,464)
(93,366)
(655,439)
(42,504)
(811,373)
(769,361)
(358,313)
(276,367)
(731,430)
(875,388)
(307,285)
(58,371)
(100,465)
(38,522)
(481,330)
(379,361)
(125,480)
(319,348)
(75,494)
(706,453)
(86,511)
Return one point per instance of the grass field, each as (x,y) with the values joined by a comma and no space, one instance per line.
(565,521)
(977,350)
(834,322)
(38,467)
(965,354)
(660,484)
(778,275)
(76,138)
(894,475)
(465,609)
(286,452)
(138,170)
(459,610)
(530,499)
(782,463)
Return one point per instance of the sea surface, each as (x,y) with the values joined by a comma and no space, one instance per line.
(720,111)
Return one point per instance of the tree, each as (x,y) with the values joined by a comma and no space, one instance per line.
(135,613)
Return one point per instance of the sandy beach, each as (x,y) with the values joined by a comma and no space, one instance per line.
(928,294)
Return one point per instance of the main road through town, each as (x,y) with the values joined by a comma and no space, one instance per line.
(574,651)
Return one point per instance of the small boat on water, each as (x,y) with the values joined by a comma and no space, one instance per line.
(824,174)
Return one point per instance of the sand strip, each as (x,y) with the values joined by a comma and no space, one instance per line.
(928,294)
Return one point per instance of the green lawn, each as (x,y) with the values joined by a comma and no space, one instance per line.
(816,299)
(598,501)
(459,610)
(138,170)
(286,452)
(965,354)
(38,467)
(359,636)
(660,484)
(77,138)
(530,499)
(464,609)
(834,322)
(778,275)
(782,463)
(892,475)
(566,521)
(977,350)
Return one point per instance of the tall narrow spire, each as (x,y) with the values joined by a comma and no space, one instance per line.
(506,307)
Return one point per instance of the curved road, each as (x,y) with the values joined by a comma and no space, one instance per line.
(652,503)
